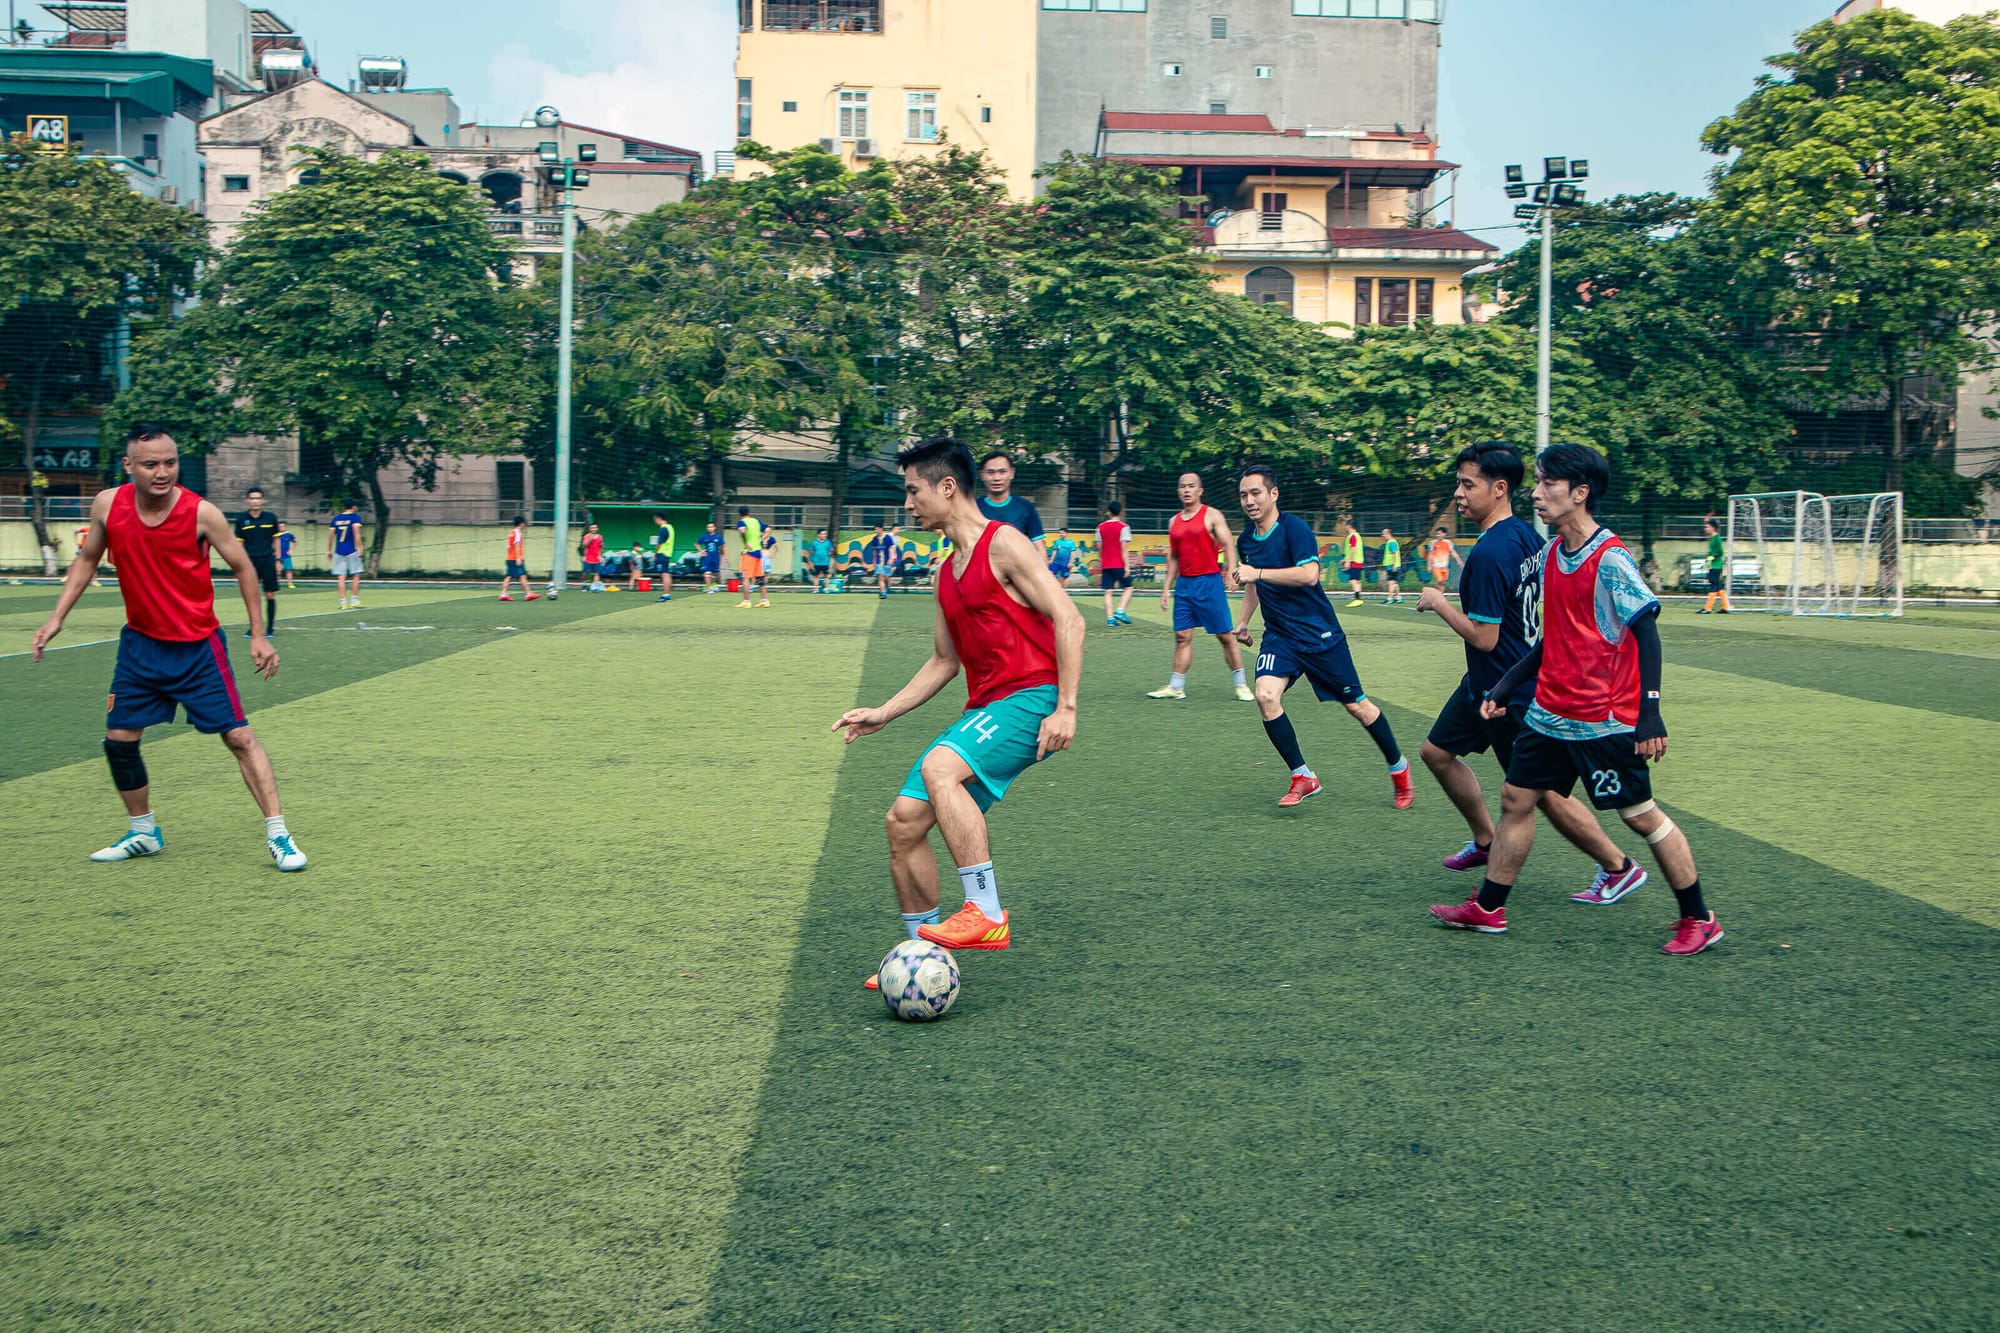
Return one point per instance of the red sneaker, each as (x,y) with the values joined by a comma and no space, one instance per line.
(968,928)
(1406,792)
(505,598)
(534,597)
(1469,915)
(1692,935)
(1303,785)
(874,982)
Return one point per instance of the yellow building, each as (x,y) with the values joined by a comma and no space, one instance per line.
(890,78)
(1315,221)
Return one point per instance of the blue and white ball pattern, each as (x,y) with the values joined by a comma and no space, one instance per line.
(919,980)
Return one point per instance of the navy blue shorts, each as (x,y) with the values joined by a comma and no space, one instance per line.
(1329,668)
(1460,730)
(152,675)
(1201,602)
(1614,776)
(517,569)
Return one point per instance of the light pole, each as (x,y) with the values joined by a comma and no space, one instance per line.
(571,177)
(1557,189)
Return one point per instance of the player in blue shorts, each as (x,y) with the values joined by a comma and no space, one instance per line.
(1279,573)
(1199,545)
(710,544)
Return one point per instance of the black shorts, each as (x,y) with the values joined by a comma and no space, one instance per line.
(1460,730)
(267,571)
(1330,668)
(1613,774)
(1715,580)
(1114,578)
(517,569)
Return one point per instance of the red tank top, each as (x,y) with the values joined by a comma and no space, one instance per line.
(162,571)
(1006,647)
(1194,549)
(1111,544)
(1584,676)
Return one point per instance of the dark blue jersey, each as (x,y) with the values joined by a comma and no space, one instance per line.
(710,544)
(1502,586)
(1016,513)
(1301,616)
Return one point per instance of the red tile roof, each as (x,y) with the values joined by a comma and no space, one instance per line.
(1169,120)
(1406,238)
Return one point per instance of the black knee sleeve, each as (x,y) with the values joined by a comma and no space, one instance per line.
(128,770)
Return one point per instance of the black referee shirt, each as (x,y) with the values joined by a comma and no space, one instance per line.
(259,535)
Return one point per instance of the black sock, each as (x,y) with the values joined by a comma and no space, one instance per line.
(1279,729)
(1493,896)
(1690,901)
(1385,739)
(270,612)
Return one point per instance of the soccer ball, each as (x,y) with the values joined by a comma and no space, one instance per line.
(554,593)
(919,980)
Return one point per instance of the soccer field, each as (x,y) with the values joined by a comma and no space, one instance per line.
(563,1027)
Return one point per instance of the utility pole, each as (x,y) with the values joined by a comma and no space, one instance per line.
(570,176)
(1557,189)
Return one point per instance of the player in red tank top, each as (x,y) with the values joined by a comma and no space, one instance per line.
(1199,543)
(1596,714)
(1005,619)
(172,653)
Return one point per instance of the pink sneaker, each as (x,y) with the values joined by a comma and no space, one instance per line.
(1608,888)
(1469,915)
(1467,858)
(1692,935)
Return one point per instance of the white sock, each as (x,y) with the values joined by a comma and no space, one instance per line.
(1238,676)
(911,920)
(274,827)
(1302,772)
(1177,681)
(145,823)
(981,889)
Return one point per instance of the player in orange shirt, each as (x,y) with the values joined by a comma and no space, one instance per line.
(1438,555)
(517,561)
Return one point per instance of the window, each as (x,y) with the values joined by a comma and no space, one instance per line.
(1066,4)
(1364,301)
(149,146)
(1122,6)
(1269,286)
(1423,11)
(310,176)
(920,123)
(235,184)
(822,15)
(854,113)
(986,115)
(1395,301)
(791,106)
(1426,299)
(1264,71)
(788,516)
(743,108)
(746,15)
(1218,27)
(1271,211)
(1218,108)
(1170,71)
(512,476)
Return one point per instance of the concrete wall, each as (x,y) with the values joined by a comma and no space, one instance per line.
(213,30)
(1326,73)
(1323,291)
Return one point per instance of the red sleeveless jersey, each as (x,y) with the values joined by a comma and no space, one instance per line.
(1005,646)
(1585,676)
(1194,549)
(162,571)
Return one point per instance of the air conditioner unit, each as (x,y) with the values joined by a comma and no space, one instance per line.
(170,194)
(864,148)
(829,145)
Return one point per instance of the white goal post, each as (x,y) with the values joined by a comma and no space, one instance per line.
(1801,553)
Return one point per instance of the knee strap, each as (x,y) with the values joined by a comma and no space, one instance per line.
(1634,811)
(128,770)
(1659,835)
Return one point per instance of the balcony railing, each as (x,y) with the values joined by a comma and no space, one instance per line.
(528,228)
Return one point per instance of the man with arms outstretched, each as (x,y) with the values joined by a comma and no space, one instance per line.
(1003,617)
(1500,616)
(1596,714)
(1278,570)
(1200,548)
(172,651)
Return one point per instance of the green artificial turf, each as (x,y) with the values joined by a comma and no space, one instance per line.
(563,1028)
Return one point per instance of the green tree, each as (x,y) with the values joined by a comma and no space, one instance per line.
(371,311)
(83,255)
(1681,377)
(1865,188)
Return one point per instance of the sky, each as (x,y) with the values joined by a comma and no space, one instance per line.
(1628,84)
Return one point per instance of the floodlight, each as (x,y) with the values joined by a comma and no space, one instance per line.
(1517,192)
(1568,196)
(1555,168)
(578,178)
(1526,212)
(586,152)
(547,117)
(1514,176)
(549,151)
(1542,194)
(1579,168)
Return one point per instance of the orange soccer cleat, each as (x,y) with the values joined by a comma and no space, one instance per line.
(968,928)
(1406,795)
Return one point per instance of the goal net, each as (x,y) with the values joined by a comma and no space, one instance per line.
(1801,553)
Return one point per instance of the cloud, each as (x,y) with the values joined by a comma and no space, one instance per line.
(665,73)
